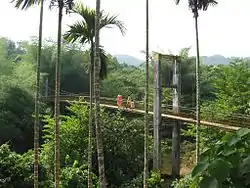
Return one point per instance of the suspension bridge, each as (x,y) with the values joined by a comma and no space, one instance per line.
(168,116)
(107,102)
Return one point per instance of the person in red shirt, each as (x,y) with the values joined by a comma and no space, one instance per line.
(119,101)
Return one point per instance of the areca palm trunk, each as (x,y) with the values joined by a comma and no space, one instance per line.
(90,183)
(197,86)
(37,100)
(99,137)
(57,102)
(145,171)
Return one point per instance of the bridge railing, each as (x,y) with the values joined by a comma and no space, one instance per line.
(240,121)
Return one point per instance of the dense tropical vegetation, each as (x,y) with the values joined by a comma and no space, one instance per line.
(116,149)
(225,90)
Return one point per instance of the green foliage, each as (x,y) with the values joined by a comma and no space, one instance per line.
(126,81)
(17,170)
(74,64)
(123,146)
(9,50)
(225,164)
(123,143)
(154,181)
(16,102)
(16,120)
(76,176)
(9,173)
(208,135)
(232,91)
(222,160)
(224,92)
(228,161)
(73,135)
(183,182)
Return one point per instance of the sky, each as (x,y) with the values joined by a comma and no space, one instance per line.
(223,29)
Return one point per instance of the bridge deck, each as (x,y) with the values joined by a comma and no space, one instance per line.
(175,117)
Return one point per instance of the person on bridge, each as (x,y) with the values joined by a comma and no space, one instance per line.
(132,104)
(119,101)
(129,102)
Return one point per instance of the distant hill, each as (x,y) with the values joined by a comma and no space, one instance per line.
(130,60)
(219,59)
(209,60)
(215,60)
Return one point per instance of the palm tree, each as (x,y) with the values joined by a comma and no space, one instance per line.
(84,32)
(99,137)
(57,102)
(67,4)
(195,6)
(25,4)
(145,176)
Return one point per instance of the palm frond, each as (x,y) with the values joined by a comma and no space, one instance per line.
(204,4)
(78,32)
(53,3)
(109,21)
(201,4)
(83,30)
(67,4)
(25,4)
(87,14)
(104,64)
(177,2)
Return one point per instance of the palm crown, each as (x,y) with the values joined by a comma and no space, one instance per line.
(67,4)
(25,4)
(84,31)
(199,4)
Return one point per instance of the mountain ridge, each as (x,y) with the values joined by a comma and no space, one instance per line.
(128,59)
(216,59)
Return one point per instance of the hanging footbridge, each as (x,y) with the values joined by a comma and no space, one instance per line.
(230,125)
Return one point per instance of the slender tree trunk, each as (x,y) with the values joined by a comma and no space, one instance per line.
(90,183)
(99,131)
(37,99)
(197,87)
(57,102)
(145,172)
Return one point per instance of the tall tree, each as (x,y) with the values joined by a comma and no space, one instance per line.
(84,31)
(57,92)
(145,176)
(37,99)
(24,4)
(195,6)
(67,4)
(99,132)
